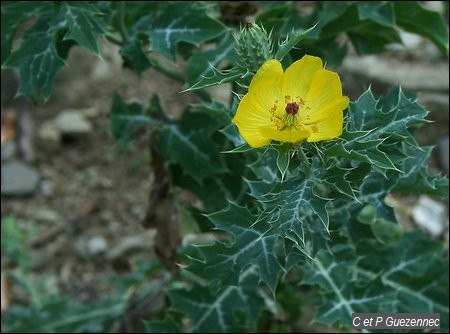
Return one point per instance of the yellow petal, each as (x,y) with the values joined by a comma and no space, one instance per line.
(291,136)
(298,76)
(256,107)
(307,117)
(266,87)
(325,90)
(330,127)
(269,74)
(250,116)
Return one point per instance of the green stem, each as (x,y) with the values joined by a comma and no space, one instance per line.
(122,29)
(306,164)
(176,76)
(166,70)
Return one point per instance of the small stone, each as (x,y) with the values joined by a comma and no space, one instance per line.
(90,112)
(132,244)
(49,137)
(138,211)
(47,188)
(96,246)
(430,215)
(18,179)
(70,122)
(411,41)
(8,150)
(95,178)
(91,248)
(47,215)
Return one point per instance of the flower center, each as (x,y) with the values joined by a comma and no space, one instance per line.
(292,108)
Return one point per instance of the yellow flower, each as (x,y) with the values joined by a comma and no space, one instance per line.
(305,102)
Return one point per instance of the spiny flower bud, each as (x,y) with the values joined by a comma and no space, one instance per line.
(253,47)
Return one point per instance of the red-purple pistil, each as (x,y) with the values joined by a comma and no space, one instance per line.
(292,108)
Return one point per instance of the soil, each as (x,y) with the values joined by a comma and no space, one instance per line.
(92,194)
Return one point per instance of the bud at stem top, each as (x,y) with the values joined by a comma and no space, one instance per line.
(253,47)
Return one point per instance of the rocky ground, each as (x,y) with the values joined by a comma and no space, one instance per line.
(74,194)
(80,200)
